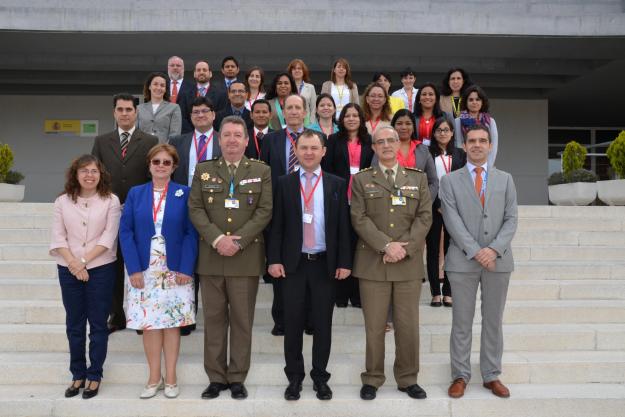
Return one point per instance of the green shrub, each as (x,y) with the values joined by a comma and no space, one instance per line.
(6,161)
(616,155)
(573,157)
(14,177)
(578,175)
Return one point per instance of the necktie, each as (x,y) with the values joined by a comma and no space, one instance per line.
(174,92)
(124,143)
(478,184)
(202,155)
(292,157)
(309,228)
(259,136)
(202,91)
(232,170)
(389,177)
(228,82)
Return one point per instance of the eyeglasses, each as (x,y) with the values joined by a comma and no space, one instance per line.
(388,141)
(165,162)
(201,111)
(443,131)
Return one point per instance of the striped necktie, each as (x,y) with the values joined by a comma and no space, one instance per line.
(124,143)
(292,157)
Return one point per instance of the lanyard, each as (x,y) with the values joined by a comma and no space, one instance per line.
(256,142)
(373,126)
(279,112)
(307,199)
(301,87)
(201,151)
(453,105)
(156,209)
(447,167)
(250,101)
(288,135)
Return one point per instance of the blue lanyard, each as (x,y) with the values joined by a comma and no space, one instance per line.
(231,192)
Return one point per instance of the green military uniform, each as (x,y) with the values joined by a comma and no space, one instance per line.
(383,213)
(229,283)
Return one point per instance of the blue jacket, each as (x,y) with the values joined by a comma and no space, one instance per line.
(136,230)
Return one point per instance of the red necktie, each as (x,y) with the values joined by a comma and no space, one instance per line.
(174,92)
(478,184)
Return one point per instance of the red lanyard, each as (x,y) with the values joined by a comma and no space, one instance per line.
(156,209)
(288,135)
(256,141)
(410,100)
(373,126)
(250,102)
(201,151)
(447,167)
(307,199)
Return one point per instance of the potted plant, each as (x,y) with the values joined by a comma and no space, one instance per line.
(612,192)
(9,180)
(574,186)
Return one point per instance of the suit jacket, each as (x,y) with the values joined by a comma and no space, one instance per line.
(252,151)
(473,227)
(252,188)
(458,160)
(165,123)
(377,222)
(215,93)
(336,160)
(183,144)
(222,114)
(131,170)
(286,235)
(136,229)
(184,91)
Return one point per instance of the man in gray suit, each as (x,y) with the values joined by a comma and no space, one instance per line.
(480,213)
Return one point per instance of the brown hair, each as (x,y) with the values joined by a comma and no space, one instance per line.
(386,108)
(72,186)
(261,87)
(348,72)
(165,147)
(147,95)
(305,71)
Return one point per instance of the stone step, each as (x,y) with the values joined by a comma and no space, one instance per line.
(345,339)
(25,209)
(41,236)
(578,367)
(568,238)
(28,221)
(122,400)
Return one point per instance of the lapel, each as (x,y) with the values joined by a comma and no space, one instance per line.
(491,179)
(282,150)
(115,144)
(363,154)
(380,178)
(470,186)
(216,148)
(241,172)
(222,171)
(344,153)
(134,144)
(327,193)
(170,200)
(187,143)
(401,178)
(296,194)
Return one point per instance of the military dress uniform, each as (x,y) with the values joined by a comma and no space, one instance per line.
(229,284)
(383,211)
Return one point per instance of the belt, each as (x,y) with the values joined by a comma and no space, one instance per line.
(313,256)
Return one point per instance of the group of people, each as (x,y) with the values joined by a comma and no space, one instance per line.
(210,187)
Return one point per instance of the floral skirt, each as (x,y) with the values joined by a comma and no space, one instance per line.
(161,303)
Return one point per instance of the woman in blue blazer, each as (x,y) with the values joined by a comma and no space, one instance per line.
(160,248)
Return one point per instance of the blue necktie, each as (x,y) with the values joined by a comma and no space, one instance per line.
(202,155)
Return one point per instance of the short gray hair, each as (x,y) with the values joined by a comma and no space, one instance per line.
(235,120)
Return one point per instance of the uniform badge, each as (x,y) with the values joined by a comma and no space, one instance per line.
(205,176)
(250,200)
(210,200)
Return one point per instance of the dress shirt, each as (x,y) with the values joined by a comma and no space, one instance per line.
(237,112)
(440,165)
(83,225)
(288,146)
(171,86)
(341,97)
(471,169)
(263,131)
(319,223)
(207,86)
(401,93)
(395,168)
(193,153)
(120,131)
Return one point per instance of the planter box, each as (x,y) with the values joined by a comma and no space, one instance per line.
(612,192)
(574,194)
(11,192)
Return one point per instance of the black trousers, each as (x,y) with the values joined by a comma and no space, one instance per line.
(277,307)
(348,289)
(433,242)
(118,317)
(311,277)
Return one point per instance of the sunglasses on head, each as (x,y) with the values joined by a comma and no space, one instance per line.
(165,162)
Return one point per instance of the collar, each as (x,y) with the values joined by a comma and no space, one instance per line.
(207,85)
(131,131)
(178,81)
(207,133)
(240,109)
(236,164)
(471,167)
(395,168)
(300,130)
(264,131)
(317,172)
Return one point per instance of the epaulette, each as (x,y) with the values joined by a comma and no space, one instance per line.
(364,170)
(414,169)
(257,160)
(209,160)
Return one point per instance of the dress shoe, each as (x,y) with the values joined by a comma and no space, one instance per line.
(185,331)
(213,390)
(277,330)
(139,332)
(171,390)
(238,391)
(309,331)
(456,389)
(150,391)
(74,389)
(414,391)
(497,388)
(291,393)
(341,304)
(114,328)
(323,390)
(356,304)
(436,303)
(447,302)
(90,392)
(368,392)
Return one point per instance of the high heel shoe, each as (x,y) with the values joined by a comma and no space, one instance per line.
(90,392)
(171,390)
(73,390)
(150,391)
(447,302)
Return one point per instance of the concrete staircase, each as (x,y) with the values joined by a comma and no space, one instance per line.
(564,337)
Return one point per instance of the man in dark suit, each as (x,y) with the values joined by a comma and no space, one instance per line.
(176,84)
(201,87)
(124,154)
(237,94)
(309,247)
(198,146)
(230,70)
(260,114)
(278,151)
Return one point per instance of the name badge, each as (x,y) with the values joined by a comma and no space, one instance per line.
(398,201)
(354,170)
(427,141)
(307,218)
(296,167)
(232,203)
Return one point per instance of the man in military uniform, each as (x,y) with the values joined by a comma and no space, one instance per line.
(230,204)
(391,213)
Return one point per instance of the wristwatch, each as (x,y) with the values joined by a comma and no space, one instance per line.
(83,261)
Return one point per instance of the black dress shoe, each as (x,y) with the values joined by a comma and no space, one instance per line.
(436,304)
(139,332)
(114,328)
(448,303)
(74,390)
(238,391)
(277,330)
(341,304)
(368,392)
(356,304)
(323,390)
(185,331)
(309,331)
(414,391)
(90,393)
(213,390)
(291,393)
